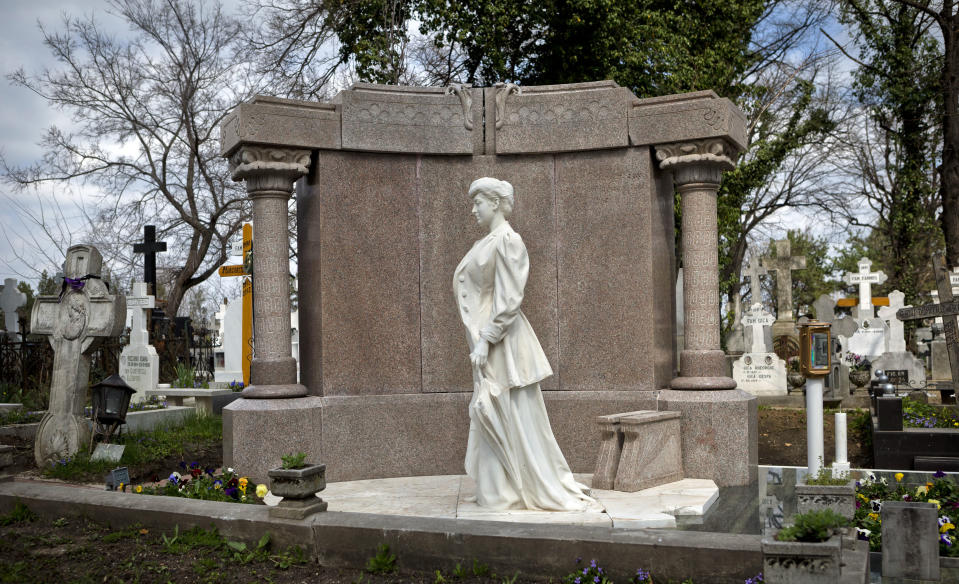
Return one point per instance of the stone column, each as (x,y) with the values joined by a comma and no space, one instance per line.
(269,174)
(697,169)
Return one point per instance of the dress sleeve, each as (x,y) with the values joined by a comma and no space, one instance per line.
(511,272)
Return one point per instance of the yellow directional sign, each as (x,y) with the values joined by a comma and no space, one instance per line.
(230,271)
(247,330)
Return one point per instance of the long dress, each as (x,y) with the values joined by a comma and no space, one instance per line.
(511,452)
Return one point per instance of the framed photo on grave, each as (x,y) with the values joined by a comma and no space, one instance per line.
(815,357)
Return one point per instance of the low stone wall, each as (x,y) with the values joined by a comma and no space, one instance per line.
(141,421)
(427,544)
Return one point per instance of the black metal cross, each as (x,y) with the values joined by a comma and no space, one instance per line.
(149,249)
(948,309)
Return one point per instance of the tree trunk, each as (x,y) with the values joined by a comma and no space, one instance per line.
(949,174)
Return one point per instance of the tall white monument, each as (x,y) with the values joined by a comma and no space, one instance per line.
(10,300)
(865,278)
(139,362)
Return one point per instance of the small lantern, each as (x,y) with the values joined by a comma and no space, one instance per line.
(111,398)
(815,342)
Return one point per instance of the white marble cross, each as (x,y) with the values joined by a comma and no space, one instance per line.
(139,302)
(754,269)
(895,336)
(865,279)
(757,318)
(10,300)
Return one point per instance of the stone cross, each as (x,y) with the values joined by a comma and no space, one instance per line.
(825,308)
(754,269)
(149,249)
(948,309)
(783,264)
(757,319)
(140,301)
(865,279)
(10,300)
(895,337)
(75,324)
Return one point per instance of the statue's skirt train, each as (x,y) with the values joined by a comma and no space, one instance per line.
(512,455)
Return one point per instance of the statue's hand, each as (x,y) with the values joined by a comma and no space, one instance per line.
(480,351)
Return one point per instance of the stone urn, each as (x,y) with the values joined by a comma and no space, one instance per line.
(839,498)
(859,378)
(298,487)
(795,380)
(802,562)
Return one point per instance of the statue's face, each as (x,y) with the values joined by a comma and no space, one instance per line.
(484,209)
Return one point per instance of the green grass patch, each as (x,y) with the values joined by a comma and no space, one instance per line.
(19,514)
(142,447)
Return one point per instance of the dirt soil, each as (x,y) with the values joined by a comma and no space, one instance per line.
(782,438)
(82,551)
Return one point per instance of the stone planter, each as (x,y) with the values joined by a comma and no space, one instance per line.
(839,498)
(789,562)
(298,487)
(859,378)
(795,380)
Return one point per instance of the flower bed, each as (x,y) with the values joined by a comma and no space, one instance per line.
(872,491)
(198,483)
(916,414)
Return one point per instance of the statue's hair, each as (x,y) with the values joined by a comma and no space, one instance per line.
(494,190)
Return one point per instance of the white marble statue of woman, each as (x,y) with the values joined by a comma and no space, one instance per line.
(511,453)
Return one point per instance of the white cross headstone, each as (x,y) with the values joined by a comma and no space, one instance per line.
(10,300)
(895,335)
(757,319)
(139,362)
(865,279)
(755,269)
(86,314)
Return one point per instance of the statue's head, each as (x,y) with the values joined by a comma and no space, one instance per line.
(83,260)
(497,197)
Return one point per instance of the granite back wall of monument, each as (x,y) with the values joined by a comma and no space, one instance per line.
(384,218)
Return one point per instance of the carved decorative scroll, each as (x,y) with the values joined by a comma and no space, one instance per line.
(502,91)
(463,91)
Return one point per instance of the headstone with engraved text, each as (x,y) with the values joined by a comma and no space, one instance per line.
(760,371)
(139,362)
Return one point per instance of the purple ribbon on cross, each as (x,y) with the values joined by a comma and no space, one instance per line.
(74,284)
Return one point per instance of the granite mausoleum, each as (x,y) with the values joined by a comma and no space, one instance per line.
(380,174)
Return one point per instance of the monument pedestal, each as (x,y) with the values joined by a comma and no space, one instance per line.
(720,433)
(257,433)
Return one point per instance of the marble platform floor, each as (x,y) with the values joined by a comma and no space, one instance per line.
(450,496)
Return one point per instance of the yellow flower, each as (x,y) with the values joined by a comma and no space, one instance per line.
(863,497)
(139,488)
(243,482)
(121,487)
(144,531)
(946,527)
(929,485)
(922,490)
(261,491)
(936,501)
(899,476)
(874,516)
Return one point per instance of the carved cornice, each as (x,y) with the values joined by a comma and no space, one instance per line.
(266,168)
(465,93)
(697,161)
(502,91)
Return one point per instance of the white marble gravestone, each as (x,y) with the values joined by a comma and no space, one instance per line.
(864,278)
(76,323)
(896,357)
(139,362)
(229,367)
(10,300)
(760,371)
(870,340)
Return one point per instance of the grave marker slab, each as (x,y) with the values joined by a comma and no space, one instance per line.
(760,371)
(139,362)
(10,300)
(870,339)
(896,357)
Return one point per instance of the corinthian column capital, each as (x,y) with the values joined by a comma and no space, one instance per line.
(697,161)
(269,169)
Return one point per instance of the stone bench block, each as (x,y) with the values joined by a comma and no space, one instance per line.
(652,452)
(610,450)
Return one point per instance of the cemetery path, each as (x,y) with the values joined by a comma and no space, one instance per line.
(782,438)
